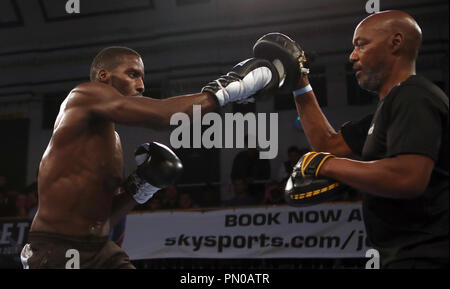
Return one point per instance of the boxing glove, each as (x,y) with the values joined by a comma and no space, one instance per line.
(157,167)
(246,79)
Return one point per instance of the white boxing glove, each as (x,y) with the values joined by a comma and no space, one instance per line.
(247,78)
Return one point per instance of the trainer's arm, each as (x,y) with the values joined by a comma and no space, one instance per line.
(320,134)
(106,102)
(402,176)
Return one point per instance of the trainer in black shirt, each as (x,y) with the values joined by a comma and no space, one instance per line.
(402,167)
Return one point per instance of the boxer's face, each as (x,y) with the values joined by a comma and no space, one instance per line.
(370,57)
(127,77)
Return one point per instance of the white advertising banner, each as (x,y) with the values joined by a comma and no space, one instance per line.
(321,231)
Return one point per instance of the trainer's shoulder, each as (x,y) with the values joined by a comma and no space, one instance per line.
(423,87)
(420,90)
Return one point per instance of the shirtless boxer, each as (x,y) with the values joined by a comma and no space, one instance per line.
(80,181)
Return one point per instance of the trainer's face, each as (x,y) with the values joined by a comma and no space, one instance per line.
(127,77)
(370,57)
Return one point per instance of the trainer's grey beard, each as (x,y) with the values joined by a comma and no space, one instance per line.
(371,80)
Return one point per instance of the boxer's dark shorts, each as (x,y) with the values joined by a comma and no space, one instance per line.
(48,250)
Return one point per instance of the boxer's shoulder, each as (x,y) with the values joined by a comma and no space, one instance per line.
(91,89)
(89,94)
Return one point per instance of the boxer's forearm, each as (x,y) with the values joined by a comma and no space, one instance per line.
(155,113)
(184,103)
(404,176)
(104,101)
(123,203)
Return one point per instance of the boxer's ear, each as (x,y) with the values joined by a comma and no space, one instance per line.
(103,76)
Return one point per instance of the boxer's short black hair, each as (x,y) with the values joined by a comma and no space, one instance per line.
(108,58)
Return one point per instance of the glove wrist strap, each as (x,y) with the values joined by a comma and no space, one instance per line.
(314,163)
(140,190)
(219,95)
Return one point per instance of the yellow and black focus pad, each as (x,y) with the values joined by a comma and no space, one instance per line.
(303,188)
(310,163)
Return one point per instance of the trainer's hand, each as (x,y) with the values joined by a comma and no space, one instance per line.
(158,167)
(246,79)
(287,56)
(305,187)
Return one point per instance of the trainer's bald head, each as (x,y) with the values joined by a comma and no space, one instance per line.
(395,22)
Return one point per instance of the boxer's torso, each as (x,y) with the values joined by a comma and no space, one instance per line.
(79,173)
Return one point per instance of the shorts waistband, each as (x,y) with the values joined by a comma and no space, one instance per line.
(88,242)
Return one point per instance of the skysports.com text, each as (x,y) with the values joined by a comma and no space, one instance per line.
(223,242)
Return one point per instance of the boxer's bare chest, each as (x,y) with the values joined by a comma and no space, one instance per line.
(111,163)
(117,159)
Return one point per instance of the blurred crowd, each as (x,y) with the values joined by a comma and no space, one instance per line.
(251,185)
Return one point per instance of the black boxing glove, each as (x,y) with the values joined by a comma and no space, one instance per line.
(286,55)
(158,167)
(305,188)
(246,79)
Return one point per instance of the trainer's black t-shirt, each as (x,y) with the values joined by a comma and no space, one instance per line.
(412,119)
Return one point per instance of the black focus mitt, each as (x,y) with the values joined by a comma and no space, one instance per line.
(305,188)
(287,56)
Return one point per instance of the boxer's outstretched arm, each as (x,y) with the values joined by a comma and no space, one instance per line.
(321,135)
(106,102)
(402,176)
